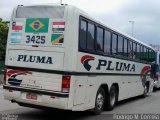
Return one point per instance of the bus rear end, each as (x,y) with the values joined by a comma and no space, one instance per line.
(35,57)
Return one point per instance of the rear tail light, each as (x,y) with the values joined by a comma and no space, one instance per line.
(156,77)
(5,76)
(66,83)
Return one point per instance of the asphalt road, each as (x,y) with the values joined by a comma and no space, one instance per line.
(137,105)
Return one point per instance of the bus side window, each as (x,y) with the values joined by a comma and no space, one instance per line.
(83,35)
(142,51)
(134,50)
(99,43)
(114,44)
(120,46)
(130,52)
(90,37)
(138,56)
(145,54)
(107,42)
(151,56)
(125,48)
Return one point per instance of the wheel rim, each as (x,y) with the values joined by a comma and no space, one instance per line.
(100,101)
(112,97)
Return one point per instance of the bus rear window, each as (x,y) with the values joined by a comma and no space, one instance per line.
(40,12)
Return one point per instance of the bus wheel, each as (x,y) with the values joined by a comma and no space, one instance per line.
(99,102)
(111,98)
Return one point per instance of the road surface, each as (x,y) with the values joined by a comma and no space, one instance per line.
(138,105)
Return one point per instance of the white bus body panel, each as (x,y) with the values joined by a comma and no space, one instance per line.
(32,59)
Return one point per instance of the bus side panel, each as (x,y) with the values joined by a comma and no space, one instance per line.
(85,92)
(128,75)
(80,90)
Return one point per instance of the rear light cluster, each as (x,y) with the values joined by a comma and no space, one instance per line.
(5,76)
(66,83)
(156,76)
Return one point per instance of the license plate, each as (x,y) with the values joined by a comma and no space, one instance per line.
(35,39)
(31,96)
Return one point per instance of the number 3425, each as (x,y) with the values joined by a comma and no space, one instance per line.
(35,39)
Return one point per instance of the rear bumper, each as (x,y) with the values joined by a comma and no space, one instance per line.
(18,95)
(36,91)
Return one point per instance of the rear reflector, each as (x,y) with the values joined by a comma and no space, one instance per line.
(66,83)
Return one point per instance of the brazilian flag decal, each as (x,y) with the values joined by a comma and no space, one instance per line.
(37,25)
(57,38)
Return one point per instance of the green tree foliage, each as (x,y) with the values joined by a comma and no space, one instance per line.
(3,37)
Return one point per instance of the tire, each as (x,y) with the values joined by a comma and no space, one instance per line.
(99,101)
(111,99)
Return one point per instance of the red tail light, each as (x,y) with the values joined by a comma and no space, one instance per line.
(156,77)
(66,83)
(5,76)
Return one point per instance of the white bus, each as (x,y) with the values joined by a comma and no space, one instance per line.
(59,57)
